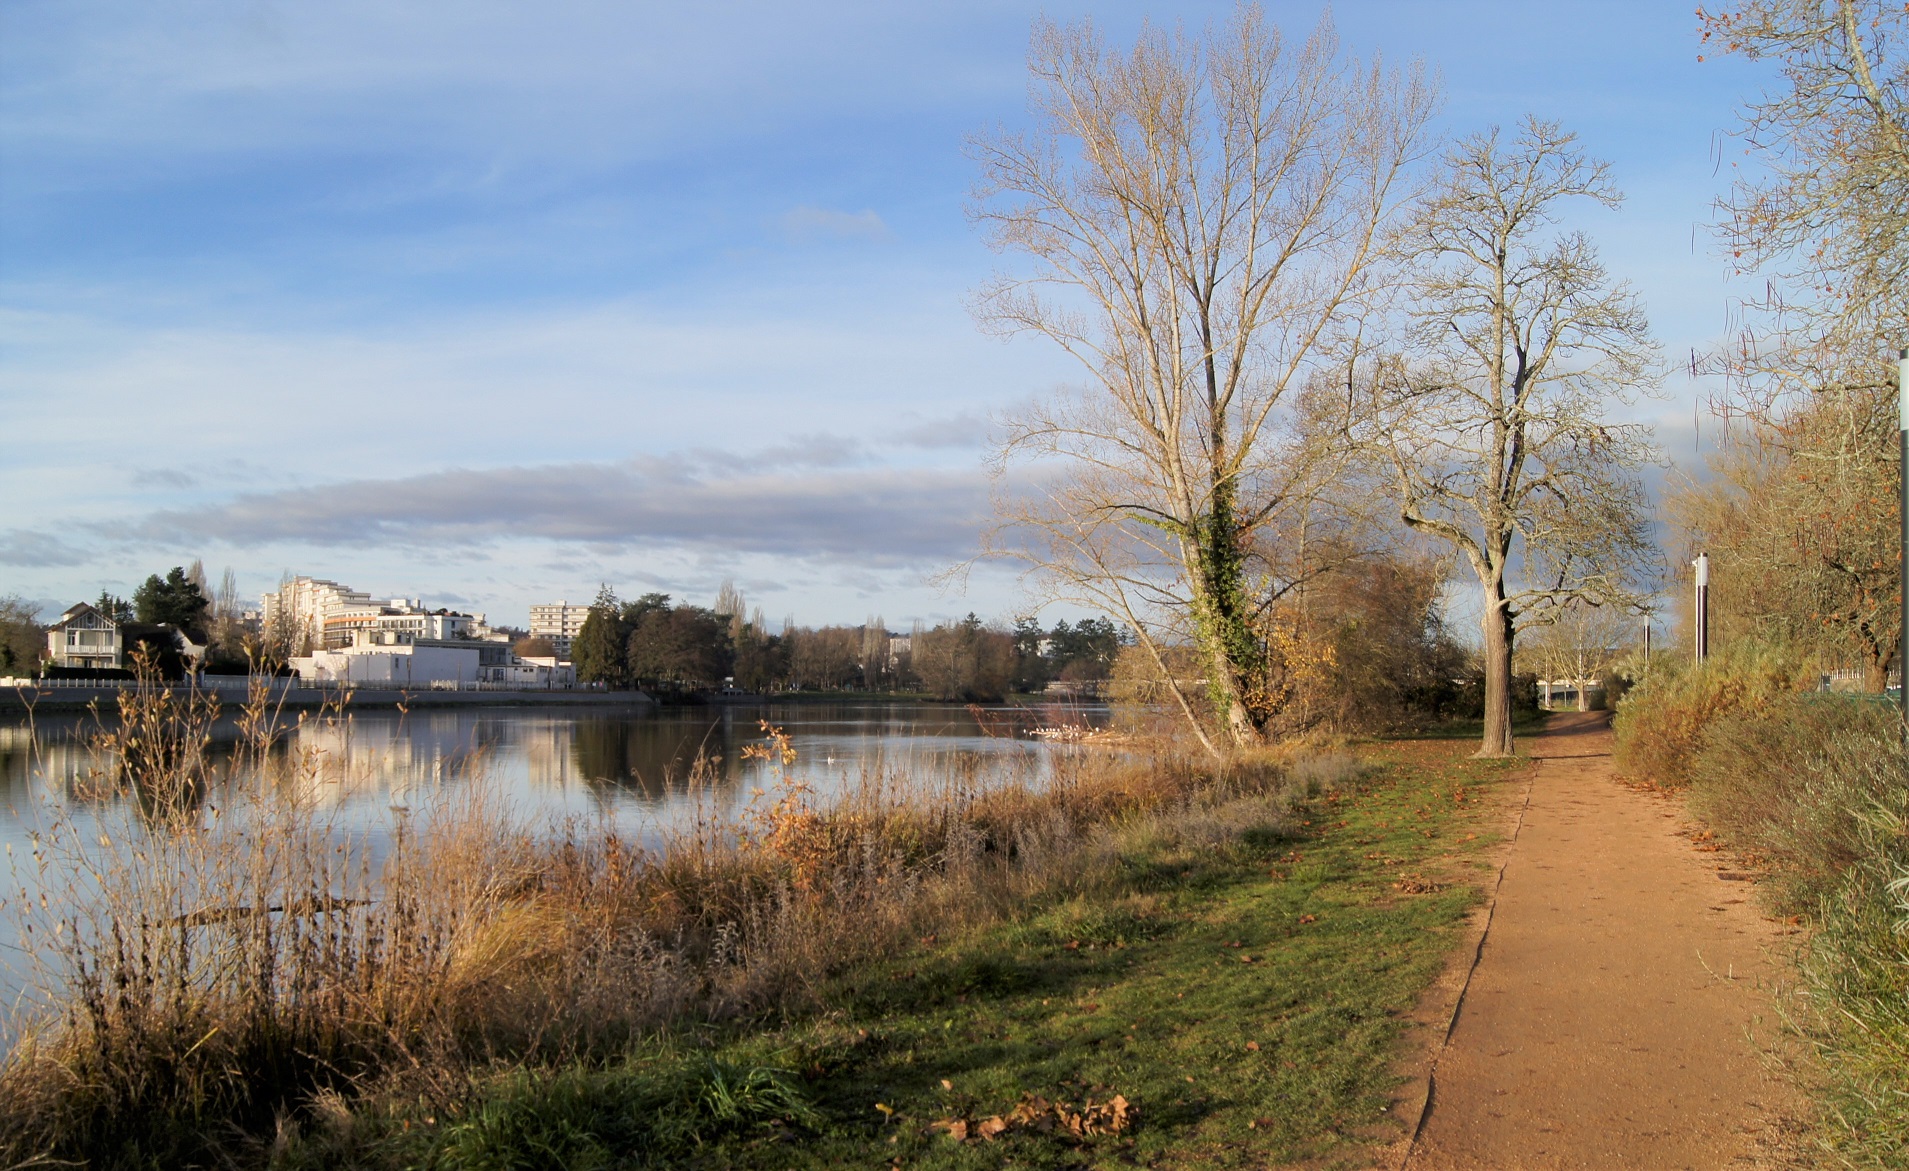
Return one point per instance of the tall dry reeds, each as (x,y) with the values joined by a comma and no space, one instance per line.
(235,960)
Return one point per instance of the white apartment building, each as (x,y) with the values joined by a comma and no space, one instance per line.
(560,623)
(308,609)
(318,614)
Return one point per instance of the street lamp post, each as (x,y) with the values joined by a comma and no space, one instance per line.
(1701,641)
(1902,563)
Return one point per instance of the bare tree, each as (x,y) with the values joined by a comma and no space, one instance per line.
(1204,216)
(1802,515)
(1799,518)
(1497,420)
(1828,217)
(1581,643)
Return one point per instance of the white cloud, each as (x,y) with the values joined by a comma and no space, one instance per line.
(810,223)
(782,503)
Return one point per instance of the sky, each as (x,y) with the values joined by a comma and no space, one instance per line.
(490,303)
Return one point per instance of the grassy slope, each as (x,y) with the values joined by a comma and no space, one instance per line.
(1244,998)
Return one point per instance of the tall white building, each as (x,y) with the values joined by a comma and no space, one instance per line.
(319,615)
(559,622)
(306,609)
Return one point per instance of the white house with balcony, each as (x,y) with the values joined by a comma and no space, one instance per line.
(84,637)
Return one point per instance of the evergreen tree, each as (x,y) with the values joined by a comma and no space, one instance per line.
(175,600)
(114,607)
(597,650)
(1030,666)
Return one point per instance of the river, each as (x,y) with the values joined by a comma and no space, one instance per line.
(643,770)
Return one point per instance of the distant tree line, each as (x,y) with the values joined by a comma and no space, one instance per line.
(656,644)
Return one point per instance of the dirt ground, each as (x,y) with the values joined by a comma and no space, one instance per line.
(1619,1013)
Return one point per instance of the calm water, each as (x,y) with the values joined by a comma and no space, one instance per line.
(632,769)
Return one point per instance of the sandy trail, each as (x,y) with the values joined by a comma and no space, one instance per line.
(1614,1017)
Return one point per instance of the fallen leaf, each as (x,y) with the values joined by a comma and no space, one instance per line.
(1252,1046)
(991,1127)
(946,1084)
(1309,918)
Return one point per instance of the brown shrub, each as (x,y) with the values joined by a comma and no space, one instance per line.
(1661,724)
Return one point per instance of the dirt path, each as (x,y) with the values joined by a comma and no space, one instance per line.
(1614,1016)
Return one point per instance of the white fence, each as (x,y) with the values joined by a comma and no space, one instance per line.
(288,683)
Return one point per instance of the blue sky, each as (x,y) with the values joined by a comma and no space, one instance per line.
(490,302)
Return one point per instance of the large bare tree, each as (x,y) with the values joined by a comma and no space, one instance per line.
(1826,215)
(1801,513)
(1497,419)
(1201,217)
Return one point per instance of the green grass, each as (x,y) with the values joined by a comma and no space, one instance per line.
(1245,997)
(1523,723)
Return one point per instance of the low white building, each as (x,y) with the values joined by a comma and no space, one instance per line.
(401,658)
(390,665)
(535,673)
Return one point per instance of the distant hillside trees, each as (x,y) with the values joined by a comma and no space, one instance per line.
(964,660)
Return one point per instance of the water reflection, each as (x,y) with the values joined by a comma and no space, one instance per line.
(635,768)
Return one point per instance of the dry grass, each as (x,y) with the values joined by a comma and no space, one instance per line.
(224,971)
(1661,724)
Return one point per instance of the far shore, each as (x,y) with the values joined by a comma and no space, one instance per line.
(67,697)
(21,697)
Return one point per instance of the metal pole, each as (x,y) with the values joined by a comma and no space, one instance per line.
(1902,562)
(1701,641)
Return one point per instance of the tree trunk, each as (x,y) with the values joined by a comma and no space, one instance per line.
(1221,616)
(1498,634)
(1875,674)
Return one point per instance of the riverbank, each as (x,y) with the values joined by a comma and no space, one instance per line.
(1230,952)
(67,697)
(1227,987)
